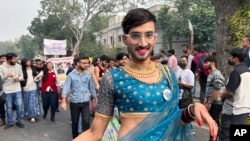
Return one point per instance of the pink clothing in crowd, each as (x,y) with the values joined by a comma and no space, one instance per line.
(172,63)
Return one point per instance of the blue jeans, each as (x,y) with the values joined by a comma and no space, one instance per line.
(17,99)
(227,120)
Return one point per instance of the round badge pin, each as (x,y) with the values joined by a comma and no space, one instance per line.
(167,94)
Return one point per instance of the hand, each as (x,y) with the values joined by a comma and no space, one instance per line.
(93,105)
(68,99)
(16,79)
(64,106)
(10,75)
(201,114)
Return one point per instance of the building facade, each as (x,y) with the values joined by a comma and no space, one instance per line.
(112,35)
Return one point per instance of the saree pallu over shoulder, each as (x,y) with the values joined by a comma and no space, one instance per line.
(164,123)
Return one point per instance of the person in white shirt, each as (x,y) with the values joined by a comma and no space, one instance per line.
(11,74)
(186,82)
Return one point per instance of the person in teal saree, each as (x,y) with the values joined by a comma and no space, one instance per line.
(145,93)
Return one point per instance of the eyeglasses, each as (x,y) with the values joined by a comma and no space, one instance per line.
(137,37)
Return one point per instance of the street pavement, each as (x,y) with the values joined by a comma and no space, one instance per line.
(44,130)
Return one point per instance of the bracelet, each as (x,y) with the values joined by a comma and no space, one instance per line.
(186,118)
(189,111)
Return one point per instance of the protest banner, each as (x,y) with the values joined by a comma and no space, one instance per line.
(61,66)
(54,47)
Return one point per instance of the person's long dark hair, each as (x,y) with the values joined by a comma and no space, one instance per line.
(95,61)
(24,69)
(45,71)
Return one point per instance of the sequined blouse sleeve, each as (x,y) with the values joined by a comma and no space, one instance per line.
(106,104)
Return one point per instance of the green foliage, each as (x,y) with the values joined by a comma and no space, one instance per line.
(239,25)
(8,46)
(203,20)
(111,52)
(174,22)
(89,46)
(27,46)
(51,27)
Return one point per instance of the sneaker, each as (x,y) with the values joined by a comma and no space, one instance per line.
(20,125)
(53,121)
(7,126)
(33,120)
(192,132)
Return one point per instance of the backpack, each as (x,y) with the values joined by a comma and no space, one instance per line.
(201,60)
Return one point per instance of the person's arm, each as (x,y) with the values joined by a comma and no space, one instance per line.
(202,116)
(97,74)
(185,85)
(191,41)
(65,90)
(2,74)
(93,93)
(218,83)
(95,131)
(96,83)
(232,85)
(39,76)
(104,111)
(190,81)
(170,62)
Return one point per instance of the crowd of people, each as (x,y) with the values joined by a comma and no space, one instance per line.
(139,95)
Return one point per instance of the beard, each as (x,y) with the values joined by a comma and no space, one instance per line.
(12,63)
(185,51)
(82,68)
(230,62)
(209,67)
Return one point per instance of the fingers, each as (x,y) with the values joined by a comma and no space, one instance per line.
(197,109)
(64,107)
(201,115)
(213,127)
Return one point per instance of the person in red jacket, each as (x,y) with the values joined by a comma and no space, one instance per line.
(49,90)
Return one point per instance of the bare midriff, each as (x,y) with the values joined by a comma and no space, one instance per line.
(127,124)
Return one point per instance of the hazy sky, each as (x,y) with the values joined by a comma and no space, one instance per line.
(15,17)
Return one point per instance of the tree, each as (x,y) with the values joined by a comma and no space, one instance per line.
(27,46)
(239,25)
(174,21)
(77,13)
(51,28)
(8,46)
(225,9)
(204,25)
